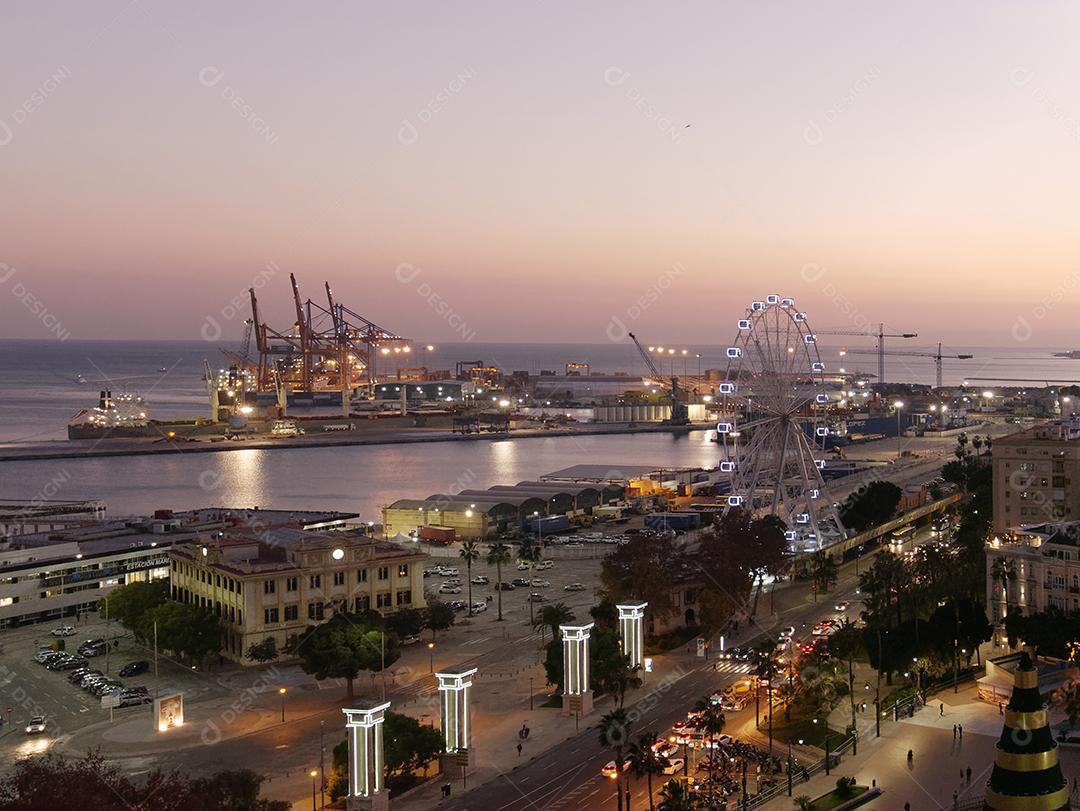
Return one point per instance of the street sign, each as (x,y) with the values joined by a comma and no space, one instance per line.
(700,647)
(110,700)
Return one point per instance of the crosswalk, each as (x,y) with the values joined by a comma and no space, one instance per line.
(727,666)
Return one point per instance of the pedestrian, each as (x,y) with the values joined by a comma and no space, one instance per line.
(969,775)
(907,806)
(519,748)
(955,800)
(954,732)
(1001,708)
(527,731)
(960,729)
(961,775)
(873,783)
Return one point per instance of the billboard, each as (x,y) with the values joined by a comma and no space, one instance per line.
(169,711)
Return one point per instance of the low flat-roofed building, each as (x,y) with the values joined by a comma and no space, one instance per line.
(275,582)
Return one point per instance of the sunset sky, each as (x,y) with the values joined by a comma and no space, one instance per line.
(537,168)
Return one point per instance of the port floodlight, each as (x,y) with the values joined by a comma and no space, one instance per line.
(723,427)
(727,388)
(205,551)
(707,398)
(468,513)
(727,467)
(744,324)
(734,352)
(989,394)
(898,404)
(734,501)
(338,553)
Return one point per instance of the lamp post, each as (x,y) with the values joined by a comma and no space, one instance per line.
(281,690)
(431,657)
(898,405)
(314,773)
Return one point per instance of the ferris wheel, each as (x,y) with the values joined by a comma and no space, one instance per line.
(774,423)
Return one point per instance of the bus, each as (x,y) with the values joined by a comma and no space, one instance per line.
(898,537)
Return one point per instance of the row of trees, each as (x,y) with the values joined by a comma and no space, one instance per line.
(92,784)
(408,746)
(732,560)
(187,631)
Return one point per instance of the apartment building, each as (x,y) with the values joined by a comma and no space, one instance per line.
(1037,476)
(276,582)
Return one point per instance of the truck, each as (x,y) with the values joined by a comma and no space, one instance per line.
(285,428)
(436,534)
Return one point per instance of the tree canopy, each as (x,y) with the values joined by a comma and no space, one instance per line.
(342,647)
(870,506)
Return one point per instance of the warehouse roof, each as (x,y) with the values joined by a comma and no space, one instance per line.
(611,473)
(443,502)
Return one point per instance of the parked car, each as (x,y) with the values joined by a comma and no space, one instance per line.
(480,580)
(411,639)
(520,581)
(35,725)
(447,571)
(449,589)
(544,565)
(537,583)
(504,586)
(574,587)
(479,607)
(134,668)
(523,567)
(63,630)
(458,605)
(134,699)
(537,597)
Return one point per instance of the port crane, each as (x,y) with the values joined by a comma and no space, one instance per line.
(937,356)
(881,335)
(679,414)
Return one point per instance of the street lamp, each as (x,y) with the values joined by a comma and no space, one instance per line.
(281,690)
(898,405)
(431,657)
(314,773)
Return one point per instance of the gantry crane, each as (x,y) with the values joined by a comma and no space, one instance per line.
(881,335)
(937,356)
(679,413)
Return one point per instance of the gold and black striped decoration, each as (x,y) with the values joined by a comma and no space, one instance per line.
(1026,775)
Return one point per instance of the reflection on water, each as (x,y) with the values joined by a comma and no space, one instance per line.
(357,479)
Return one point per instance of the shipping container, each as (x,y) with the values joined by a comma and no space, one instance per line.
(673,520)
(436,534)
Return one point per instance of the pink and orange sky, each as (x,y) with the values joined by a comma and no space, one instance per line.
(915,163)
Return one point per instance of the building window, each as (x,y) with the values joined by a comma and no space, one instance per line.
(217,580)
(363,604)
(291,584)
(403,570)
(384,600)
(292,613)
(404,597)
(269,586)
(232,614)
(315,581)
(339,578)
(315,611)
(270,616)
(384,572)
(361,575)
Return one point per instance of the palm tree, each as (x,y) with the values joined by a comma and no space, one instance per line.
(1004,573)
(823,570)
(764,669)
(844,644)
(498,554)
(802,802)
(470,551)
(614,733)
(675,797)
(645,761)
(552,616)
(710,722)
(530,552)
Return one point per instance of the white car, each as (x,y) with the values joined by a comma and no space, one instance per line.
(36,725)
(674,765)
(449,589)
(611,771)
(545,564)
(480,580)
(541,584)
(63,630)
(479,607)
(574,587)
(523,567)
(446,571)
(411,639)
(842,606)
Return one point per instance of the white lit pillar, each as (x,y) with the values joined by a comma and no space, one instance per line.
(577,697)
(455,700)
(365,733)
(632,632)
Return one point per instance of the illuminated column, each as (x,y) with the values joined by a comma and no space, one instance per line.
(455,697)
(632,631)
(577,697)
(365,730)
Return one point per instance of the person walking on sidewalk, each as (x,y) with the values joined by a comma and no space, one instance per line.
(960,729)
(954,732)
(942,707)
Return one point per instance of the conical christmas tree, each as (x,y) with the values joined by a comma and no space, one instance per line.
(1026,774)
